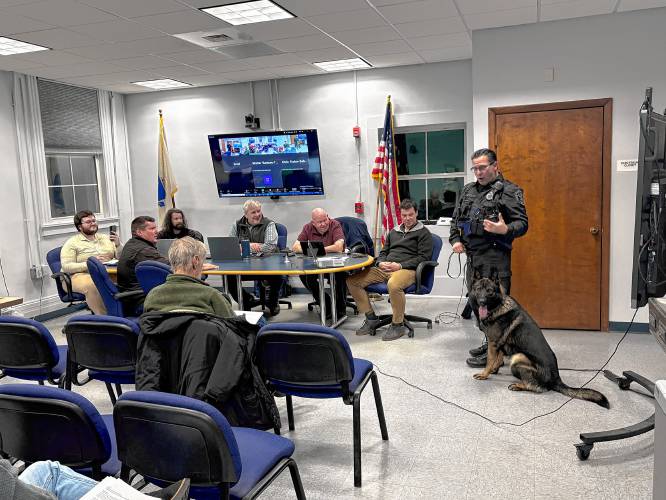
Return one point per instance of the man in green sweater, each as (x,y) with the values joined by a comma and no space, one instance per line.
(183,290)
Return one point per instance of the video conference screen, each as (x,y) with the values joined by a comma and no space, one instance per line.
(284,163)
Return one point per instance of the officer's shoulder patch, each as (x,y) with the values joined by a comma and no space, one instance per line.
(520,198)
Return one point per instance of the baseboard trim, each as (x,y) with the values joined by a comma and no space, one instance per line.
(621,326)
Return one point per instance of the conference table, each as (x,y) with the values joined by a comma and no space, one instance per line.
(298,264)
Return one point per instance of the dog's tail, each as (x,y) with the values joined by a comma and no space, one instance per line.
(582,393)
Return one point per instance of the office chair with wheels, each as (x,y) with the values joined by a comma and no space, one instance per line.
(108,290)
(165,437)
(47,423)
(151,273)
(312,361)
(29,352)
(425,277)
(104,345)
(62,279)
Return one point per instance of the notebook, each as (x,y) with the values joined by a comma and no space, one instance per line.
(224,248)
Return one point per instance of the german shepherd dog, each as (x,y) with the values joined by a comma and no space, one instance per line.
(511,331)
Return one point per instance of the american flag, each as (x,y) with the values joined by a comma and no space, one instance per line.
(386,172)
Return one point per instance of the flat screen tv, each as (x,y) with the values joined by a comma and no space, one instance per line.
(649,271)
(284,163)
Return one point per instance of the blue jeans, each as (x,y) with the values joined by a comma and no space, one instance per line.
(57,479)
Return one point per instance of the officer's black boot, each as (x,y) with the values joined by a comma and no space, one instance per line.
(478,361)
(478,351)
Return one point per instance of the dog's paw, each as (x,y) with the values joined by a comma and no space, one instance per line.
(515,387)
(480,376)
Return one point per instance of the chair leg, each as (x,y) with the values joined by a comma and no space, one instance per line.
(357,440)
(125,473)
(40,382)
(290,412)
(119,390)
(111,393)
(296,479)
(378,404)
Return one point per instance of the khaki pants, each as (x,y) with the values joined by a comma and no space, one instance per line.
(396,282)
(83,283)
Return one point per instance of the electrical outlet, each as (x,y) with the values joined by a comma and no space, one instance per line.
(38,272)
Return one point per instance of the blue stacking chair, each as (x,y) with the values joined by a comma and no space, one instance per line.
(62,279)
(312,361)
(106,347)
(151,273)
(29,352)
(47,423)
(108,290)
(425,277)
(165,437)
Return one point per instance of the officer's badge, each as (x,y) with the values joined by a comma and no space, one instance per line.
(489,196)
(519,197)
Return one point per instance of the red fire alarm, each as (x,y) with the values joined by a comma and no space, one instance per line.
(356,131)
(358,207)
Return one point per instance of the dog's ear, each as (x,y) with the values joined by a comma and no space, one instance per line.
(501,288)
(477,274)
(494,274)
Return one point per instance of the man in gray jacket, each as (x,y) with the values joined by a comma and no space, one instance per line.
(406,246)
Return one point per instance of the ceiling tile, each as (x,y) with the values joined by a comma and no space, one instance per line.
(440,41)
(252,75)
(452,54)
(53,58)
(120,77)
(9,3)
(382,3)
(124,88)
(143,62)
(431,27)
(117,31)
(367,35)
(12,23)
(347,20)
(329,54)
(223,66)
(478,6)
(306,8)
(501,18)
(197,56)
(297,70)
(272,61)
(395,59)
(14,63)
(62,12)
(136,8)
(180,71)
(208,80)
(303,42)
(417,11)
(184,21)
(122,50)
(382,48)
(75,70)
(58,38)
(282,28)
(579,8)
(640,4)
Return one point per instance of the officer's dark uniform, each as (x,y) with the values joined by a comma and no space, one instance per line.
(488,251)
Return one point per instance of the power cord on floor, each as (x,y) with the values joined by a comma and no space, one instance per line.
(513,424)
(451,317)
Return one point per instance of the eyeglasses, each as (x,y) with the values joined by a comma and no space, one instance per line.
(481,168)
(89,222)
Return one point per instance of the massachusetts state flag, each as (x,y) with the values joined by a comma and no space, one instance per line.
(166,183)
(385,171)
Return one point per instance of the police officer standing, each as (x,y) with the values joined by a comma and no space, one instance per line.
(489,214)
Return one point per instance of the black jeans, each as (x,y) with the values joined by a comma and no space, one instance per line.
(311,282)
(486,262)
(274,284)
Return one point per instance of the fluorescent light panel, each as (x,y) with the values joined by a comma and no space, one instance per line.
(9,46)
(166,83)
(249,12)
(343,64)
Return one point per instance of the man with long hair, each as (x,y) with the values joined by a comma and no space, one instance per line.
(174,226)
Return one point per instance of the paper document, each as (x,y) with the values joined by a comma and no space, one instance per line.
(112,262)
(251,317)
(111,488)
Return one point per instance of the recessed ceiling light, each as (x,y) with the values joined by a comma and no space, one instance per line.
(10,46)
(166,83)
(249,12)
(343,64)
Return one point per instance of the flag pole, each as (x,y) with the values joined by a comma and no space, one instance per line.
(380,185)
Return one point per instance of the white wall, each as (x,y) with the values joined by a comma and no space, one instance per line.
(614,56)
(433,93)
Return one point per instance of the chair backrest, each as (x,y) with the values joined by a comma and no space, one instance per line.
(304,354)
(428,276)
(282,235)
(106,288)
(102,342)
(151,273)
(26,344)
(53,260)
(356,233)
(47,423)
(168,437)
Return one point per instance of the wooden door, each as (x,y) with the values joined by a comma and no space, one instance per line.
(560,155)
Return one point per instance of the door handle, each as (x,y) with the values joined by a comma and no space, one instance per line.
(594,230)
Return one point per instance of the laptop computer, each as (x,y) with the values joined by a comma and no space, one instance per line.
(163,246)
(313,248)
(224,248)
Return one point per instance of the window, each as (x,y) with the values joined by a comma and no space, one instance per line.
(73,182)
(431,168)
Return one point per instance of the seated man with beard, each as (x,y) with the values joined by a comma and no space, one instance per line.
(174,226)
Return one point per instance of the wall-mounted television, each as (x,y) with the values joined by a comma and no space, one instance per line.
(282,163)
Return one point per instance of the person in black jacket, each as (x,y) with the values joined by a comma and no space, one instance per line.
(489,215)
(406,246)
(174,226)
(208,358)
